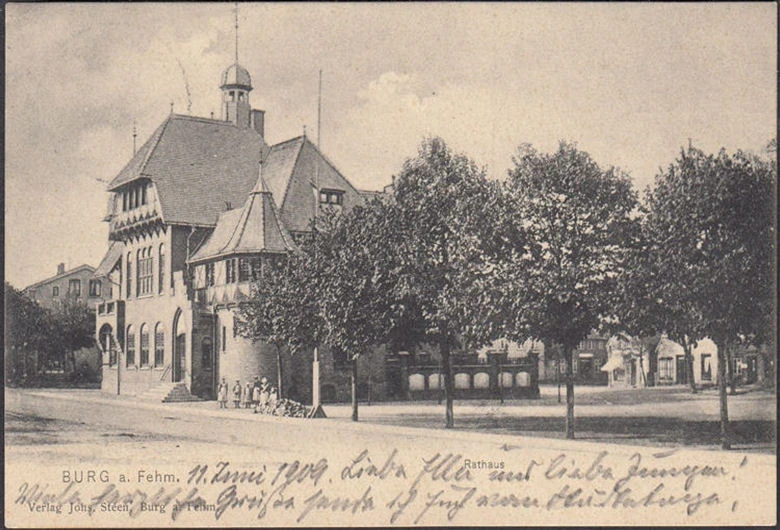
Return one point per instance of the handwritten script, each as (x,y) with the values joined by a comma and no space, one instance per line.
(391,488)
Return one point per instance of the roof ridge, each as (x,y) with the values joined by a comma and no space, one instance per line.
(287,141)
(233,232)
(67,272)
(331,164)
(204,119)
(292,171)
(243,220)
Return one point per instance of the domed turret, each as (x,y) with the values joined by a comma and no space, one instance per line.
(236,85)
(236,76)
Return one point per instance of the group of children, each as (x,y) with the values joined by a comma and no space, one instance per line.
(259,395)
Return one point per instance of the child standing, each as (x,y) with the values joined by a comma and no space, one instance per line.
(222,392)
(237,394)
(247,395)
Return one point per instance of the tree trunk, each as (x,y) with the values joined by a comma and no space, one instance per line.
(568,352)
(354,380)
(724,409)
(446,366)
(689,366)
(279,374)
(730,372)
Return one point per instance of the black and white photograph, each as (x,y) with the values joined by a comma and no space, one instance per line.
(390,264)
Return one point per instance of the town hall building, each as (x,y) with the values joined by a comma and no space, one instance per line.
(201,207)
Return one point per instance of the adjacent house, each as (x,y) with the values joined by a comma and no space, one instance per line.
(78,284)
(587,360)
(671,363)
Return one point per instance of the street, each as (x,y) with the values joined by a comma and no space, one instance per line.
(75,449)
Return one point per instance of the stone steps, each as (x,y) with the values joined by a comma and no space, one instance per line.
(169,393)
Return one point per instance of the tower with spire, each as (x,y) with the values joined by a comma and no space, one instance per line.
(201,207)
(236,86)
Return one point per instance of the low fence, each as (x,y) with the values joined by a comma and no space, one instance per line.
(497,378)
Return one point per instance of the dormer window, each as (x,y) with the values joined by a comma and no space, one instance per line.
(331,197)
(135,195)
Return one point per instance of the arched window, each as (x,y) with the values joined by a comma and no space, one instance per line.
(107,344)
(130,346)
(159,344)
(138,272)
(144,345)
(129,288)
(161,272)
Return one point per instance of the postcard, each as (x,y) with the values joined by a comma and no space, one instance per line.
(395,264)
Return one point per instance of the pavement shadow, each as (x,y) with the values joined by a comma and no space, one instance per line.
(653,429)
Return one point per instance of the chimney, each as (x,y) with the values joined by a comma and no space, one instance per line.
(258,121)
(60,269)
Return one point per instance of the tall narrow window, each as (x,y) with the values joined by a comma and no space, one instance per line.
(159,344)
(144,345)
(145,271)
(244,270)
(94,288)
(256,265)
(209,274)
(224,337)
(206,349)
(55,291)
(74,288)
(129,288)
(130,346)
(161,273)
(229,275)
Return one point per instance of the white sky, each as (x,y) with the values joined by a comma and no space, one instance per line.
(629,82)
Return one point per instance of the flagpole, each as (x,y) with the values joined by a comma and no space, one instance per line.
(316,403)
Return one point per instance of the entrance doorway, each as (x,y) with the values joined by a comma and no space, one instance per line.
(178,367)
(682,372)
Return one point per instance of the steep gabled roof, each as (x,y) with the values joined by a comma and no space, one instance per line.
(255,228)
(197,165)
(108,262)
(311,169)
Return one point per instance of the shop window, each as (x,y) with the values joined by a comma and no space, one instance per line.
(666,369)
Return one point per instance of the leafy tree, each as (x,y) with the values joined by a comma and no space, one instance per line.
(27,336)
(444,260)
(655,287)
(354,283)
(579,221)
(73,329)
(282,310)
(713,217)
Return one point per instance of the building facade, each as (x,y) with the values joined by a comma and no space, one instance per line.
(587,360)
(671,363)
(79,284)
(201,207)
